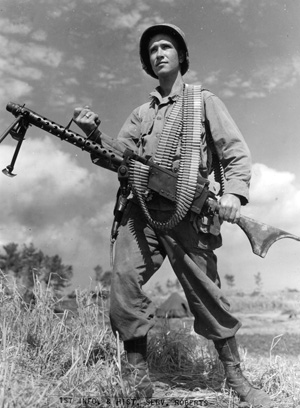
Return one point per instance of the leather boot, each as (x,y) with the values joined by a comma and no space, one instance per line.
(229,356)
(139,374)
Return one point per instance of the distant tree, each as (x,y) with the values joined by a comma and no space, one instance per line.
(102,277)
(173,284)
(10,259)
(98,273)
(230,280)
(31,262)
(258,282)
(177,284)
(106,279)
(158,288)
(169,284)
(55,273)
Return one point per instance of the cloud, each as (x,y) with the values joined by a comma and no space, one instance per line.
(236,7)
(14,27)
(61,175)
(55,9)
(274,200)
(21,63)
(17,69)
(191,77)
(127,20)
(212,78)
(30,52)
(55,203)
(278,74)
(275,76)
(232,3)
(254,95)
(33,49)
(39,35)
(36,53)
(227,93)
(109,80)
(13,89)
(60,97)
(274,196)
(76,62)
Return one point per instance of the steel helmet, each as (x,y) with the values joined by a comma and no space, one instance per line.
(171,30)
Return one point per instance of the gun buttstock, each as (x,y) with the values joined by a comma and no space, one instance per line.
(262,236)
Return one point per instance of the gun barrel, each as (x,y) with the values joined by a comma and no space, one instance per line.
(65,134)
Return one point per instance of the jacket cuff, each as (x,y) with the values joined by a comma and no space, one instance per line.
(238,188)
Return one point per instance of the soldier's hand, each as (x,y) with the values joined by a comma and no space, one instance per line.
(230,208)
(86,119)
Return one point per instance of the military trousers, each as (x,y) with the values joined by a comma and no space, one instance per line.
(140,251)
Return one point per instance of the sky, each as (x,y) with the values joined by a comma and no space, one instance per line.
(56,55)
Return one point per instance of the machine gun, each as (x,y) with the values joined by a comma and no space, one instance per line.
(261,236)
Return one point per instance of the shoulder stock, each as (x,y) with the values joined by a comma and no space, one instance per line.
(262,236)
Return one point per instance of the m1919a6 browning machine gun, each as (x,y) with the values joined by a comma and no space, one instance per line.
(158,179)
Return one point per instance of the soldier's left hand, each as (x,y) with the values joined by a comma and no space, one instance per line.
(230,208)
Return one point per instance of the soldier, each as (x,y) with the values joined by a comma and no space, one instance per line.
(182,128)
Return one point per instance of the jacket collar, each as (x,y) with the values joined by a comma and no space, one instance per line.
(155,95)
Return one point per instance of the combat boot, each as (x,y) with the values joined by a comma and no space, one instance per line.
(229,356)
(139,373)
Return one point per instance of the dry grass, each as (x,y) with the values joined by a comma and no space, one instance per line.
(286,301)
(47,360)
(193,368)
(45,356)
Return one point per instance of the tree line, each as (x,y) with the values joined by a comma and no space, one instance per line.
(28,263)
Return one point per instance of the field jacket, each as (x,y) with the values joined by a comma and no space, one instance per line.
(143,127)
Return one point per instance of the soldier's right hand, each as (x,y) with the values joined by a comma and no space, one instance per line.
(86,119)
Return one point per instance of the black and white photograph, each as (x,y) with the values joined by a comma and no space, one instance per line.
(149,203)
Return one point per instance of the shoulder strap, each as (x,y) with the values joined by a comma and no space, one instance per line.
(216,164)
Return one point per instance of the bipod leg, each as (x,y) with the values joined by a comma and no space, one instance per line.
(17,131)
(10,128)
(8,169)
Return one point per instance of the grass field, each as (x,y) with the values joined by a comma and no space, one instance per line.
(73,360)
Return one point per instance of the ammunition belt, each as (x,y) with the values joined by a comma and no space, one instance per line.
(185,120)
(170,136)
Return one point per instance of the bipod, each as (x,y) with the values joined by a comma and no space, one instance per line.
(17,131)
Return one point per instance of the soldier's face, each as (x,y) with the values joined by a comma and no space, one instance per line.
(164,56)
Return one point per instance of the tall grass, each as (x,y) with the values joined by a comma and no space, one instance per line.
(45,356)
(50,360)
(196,370)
